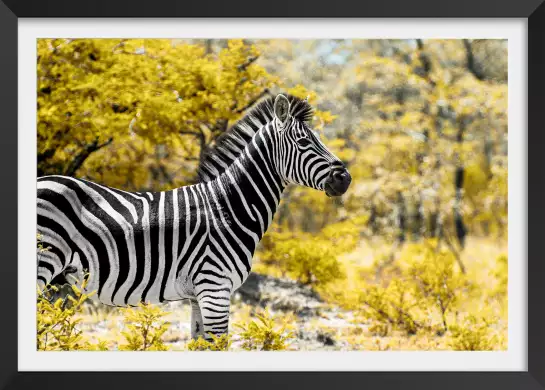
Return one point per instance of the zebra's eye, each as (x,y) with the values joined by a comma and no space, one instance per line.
(303,142)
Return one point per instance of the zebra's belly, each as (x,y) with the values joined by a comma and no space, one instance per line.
(113,285)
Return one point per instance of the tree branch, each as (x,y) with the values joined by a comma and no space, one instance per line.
(248,62)
(78,161)
(46,155)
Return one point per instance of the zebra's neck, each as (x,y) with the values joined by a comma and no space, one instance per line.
(251,187)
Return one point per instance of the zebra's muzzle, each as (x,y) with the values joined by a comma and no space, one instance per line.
(337,182)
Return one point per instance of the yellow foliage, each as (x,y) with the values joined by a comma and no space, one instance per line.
(138,100)
(145,328)
(501,274)
(472,335)
(344,236)
(218,343)
(422,296)
(263,334)
(310,259)
(57,322)
(425,115)
(40,247)
(437,284)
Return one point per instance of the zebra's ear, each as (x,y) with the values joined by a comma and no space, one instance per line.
(282,109)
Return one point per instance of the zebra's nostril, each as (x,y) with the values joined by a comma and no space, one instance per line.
(340,175)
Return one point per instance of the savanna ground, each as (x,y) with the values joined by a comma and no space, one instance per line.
(412,257)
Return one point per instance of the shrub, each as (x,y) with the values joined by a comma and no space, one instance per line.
(145,328)
(427,287)
(57,324)
(264,335)
(311,261)
(40,247)
(218,343)
(501,274)
(344,236)
(436,284)
(391,307)
(308,259)
(472,335)
(380,329)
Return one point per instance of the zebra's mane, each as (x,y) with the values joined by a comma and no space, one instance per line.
(230,144)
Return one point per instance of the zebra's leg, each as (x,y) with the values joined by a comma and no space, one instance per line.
(197,328)
(214,305)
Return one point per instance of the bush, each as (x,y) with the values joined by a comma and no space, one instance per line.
(436,284)
(40,246)
(309,259)
(145,328)
(472,335)
(501,274)
(56,322)
(344,236)
(264,335)
(391,307)
(218,343)
(427,288)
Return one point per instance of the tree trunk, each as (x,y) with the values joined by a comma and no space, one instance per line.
(460,228)
(471,64)
(401,218)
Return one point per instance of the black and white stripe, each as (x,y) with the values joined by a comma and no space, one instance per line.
(194,242)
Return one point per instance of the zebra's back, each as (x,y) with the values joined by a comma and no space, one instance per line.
(129,243)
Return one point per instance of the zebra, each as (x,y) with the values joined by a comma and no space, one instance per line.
(194,242)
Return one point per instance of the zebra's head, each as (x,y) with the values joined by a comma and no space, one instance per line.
(303,158)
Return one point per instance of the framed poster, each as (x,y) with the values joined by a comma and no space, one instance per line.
(172,157)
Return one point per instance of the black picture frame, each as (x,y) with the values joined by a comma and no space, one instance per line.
(531,10)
